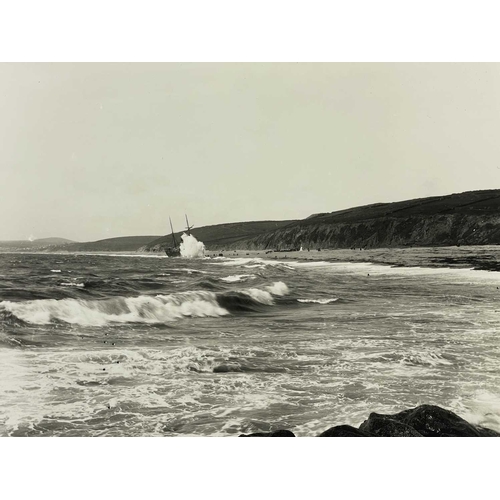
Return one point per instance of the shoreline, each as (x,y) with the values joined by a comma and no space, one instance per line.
(485,258)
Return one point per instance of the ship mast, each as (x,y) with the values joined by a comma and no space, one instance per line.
(188,227)
(173,237)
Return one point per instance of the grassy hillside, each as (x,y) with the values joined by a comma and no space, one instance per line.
(121,244)
(221,236)
(468,203)
(470,218)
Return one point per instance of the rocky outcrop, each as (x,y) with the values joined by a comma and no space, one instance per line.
(438,230)
(422,421)
(433,421)
(386,426)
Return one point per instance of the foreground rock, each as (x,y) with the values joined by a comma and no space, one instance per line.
(344,431)
(387,426)
(433,421)
(422,421)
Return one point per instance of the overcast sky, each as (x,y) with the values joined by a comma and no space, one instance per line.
(90,151)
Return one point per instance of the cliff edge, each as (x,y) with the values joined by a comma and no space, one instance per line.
(470,218)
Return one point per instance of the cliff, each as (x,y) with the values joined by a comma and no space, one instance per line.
(471,218)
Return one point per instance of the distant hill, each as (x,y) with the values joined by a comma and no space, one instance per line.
(120,244)
(470,218)
(32,245)
(220,236)
(52,241)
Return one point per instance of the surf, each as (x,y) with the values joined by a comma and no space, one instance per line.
(139,309)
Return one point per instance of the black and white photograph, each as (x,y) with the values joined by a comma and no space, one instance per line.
(237,247)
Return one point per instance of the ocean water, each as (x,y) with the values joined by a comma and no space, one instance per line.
(114,345)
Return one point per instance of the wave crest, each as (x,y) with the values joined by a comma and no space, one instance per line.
(141,309)
(317,301)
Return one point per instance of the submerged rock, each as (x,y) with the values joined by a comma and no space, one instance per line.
(278,433)
(226,369)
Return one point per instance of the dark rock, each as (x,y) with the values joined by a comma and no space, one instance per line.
(386,426)
(226,369)
(344,431)
(278,433)
(422,421)
(433,421)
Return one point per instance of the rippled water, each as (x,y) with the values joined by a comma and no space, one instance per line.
(103,345)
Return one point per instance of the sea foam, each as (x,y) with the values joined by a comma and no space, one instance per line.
(317,301)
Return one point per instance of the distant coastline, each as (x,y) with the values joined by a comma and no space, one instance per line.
(458,230)
(478,257)
(485,257)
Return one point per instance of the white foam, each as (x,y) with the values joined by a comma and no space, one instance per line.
(241,261)
(425,358)
(238,277)
(260,296)
(265,296)
(55,270)
(481,408)
(191,248)
(278,288)
(317,301)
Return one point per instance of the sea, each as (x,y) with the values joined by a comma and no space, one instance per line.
(146,345)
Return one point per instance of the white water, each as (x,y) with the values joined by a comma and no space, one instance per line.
(134,352)
(191,248)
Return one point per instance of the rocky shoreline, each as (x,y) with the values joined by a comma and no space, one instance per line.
(422,421)
(485,258)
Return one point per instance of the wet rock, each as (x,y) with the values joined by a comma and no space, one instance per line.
(226,369)
(386,426)
(433,421)
(344,431)
(422,421)
(278,433)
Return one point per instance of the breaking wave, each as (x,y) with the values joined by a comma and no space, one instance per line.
(425,359)
(191,248)
(238,277)
(317,301)
(141,309)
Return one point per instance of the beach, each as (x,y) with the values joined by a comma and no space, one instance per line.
(485,257)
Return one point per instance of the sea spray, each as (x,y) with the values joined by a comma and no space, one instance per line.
(191,248)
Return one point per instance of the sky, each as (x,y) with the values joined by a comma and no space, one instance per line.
(98,150)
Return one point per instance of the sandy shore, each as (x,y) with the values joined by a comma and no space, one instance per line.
(476,257)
